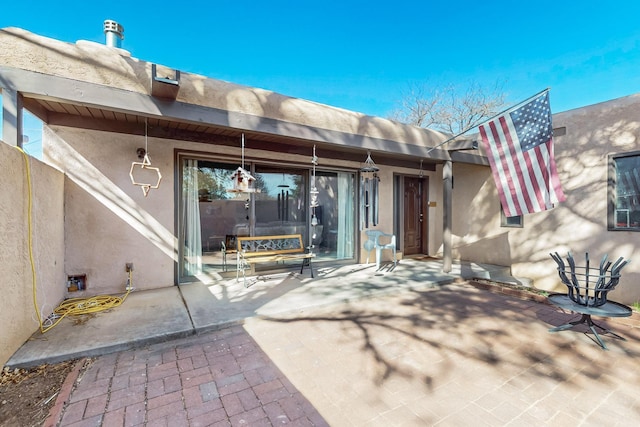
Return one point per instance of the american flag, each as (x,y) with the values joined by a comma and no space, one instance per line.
(519,145)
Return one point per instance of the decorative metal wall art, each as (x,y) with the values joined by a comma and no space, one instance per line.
(145,165)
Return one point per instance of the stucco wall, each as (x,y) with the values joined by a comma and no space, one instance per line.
(18,316)
(476,232)
(96,63)
(108,221)
(579,224)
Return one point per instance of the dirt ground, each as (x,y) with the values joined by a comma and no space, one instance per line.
(26,396)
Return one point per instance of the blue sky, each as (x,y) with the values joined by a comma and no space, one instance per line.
(362,55)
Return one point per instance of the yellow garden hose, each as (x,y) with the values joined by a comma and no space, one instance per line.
(88,305)
(76,306)
(72,306)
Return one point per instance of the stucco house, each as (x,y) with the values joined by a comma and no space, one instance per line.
(105,113)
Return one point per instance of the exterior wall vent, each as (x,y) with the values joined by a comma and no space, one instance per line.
(114,33)
(562,131)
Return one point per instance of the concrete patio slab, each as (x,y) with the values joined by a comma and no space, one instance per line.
(229,302)
(153,316)
(144,317)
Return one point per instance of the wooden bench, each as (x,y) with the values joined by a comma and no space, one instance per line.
(265,249)
(587,290)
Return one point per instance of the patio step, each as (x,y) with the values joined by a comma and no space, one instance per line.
(496,273)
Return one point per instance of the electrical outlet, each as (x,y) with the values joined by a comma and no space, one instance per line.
(128,267)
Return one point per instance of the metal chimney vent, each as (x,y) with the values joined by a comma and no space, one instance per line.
(114,33)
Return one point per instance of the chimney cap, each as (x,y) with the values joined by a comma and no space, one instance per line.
(111,26)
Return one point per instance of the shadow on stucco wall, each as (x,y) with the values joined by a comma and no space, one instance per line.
(29,226)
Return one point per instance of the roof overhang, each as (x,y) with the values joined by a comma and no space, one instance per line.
(62,101)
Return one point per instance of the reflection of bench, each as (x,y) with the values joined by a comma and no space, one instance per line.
(280,228)
(264,249)
(587,290)
(228,247)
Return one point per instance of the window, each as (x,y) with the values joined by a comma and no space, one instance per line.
(624,192)
(31,129)
(32,138)
(510,221)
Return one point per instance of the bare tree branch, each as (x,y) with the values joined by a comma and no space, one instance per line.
(448,108)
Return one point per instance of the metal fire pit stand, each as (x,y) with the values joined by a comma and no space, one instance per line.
(587,290)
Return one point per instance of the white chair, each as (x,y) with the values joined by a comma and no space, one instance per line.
(380,241)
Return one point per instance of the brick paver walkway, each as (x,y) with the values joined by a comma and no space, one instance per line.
(451,356)
(218,379)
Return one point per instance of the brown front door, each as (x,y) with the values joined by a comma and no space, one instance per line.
(415,215)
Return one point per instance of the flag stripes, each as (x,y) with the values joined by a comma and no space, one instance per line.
(519,146)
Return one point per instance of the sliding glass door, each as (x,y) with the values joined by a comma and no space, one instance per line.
(335,215)
(211,217)
(282,205)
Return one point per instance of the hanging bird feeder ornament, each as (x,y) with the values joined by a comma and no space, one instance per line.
(242,180)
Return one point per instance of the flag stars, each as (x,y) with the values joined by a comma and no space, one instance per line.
(532,123)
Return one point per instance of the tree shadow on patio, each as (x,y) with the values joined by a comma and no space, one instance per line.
(426,334)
